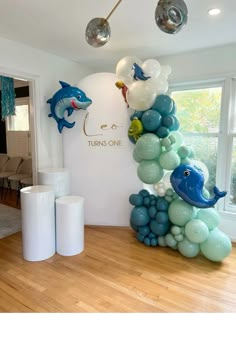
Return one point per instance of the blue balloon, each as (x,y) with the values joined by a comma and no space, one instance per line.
(154,242)
(152,212)
(174,109)
(162,204)
(144,193)
(140,237)
(159,229)
(133,226)
(151,235)
(175,126)
(162,132)
(147,241)
(136,199)
(146,201)
(151,120)
(163,104)
(68,98)
(144,230)
(162,217)
(168,121)
(136,114)
(139,216)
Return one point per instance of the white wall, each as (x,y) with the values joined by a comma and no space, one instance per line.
(48,69)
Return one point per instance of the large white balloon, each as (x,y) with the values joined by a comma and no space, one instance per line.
(141,95)
(203,167)
(124,68)
(151,67)
(166,70)
(159,84)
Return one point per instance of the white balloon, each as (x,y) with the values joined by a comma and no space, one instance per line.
(160,84)
(141,95)
(166,70)
(203,167)
(166,180)
(124,68)
(151,67)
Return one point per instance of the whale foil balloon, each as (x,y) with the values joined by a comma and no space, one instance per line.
(188,183)
(171,15)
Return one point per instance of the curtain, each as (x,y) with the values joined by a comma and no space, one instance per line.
(8,97)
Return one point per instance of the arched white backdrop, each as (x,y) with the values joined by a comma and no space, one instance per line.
(98,153)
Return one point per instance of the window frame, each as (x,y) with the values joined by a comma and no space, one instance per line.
(225,134)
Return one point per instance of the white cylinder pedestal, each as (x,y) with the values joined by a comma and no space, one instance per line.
(58,178)
(69,225)
(38,222)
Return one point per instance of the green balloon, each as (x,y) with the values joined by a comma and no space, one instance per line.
(175,230)
(169,160)
(177,139)
(136,157)
(170,241)
(180,212)
(162,241)
(210,217)
(217,247)
(150,172)
(183,151)
(196,231)
(148,147)
(179,237)
(188,248)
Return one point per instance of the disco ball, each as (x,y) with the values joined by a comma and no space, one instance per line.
(97,32)
(171,15)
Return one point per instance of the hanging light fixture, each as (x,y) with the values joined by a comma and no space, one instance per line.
(171,15)
(98,30)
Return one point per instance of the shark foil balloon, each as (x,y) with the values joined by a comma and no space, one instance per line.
(188,183)
(68,98)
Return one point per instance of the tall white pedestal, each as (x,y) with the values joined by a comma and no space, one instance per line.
(58,178)
(69,225)
(38,222)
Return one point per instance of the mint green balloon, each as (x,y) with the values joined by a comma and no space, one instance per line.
(150,172)
(136,157)
(217,247)
(148,147)
(177,139)
(210,217)
(180,212)
(169,160)
(162,241)
(196,231)
(188,248)
(170,241)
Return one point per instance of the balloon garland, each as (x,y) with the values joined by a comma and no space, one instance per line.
(181,214)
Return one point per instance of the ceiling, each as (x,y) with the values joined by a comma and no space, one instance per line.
(58,27)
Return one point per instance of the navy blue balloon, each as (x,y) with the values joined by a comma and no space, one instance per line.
(162,132)
(136,199)
(175,126)
(151,120)
(163,104)
(162,217)
(168,121)
(139,216)
(144,230)
(159,229)
(162,204)
(144,193)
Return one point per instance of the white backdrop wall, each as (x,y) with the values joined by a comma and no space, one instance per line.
(99,154)
(48,69)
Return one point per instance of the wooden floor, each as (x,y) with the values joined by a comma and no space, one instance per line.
(115,273)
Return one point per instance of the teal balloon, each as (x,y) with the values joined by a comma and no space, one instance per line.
(154,242)
(169,160)
(210,217)
(144,193)
(163,104)
(136,157)
(147,241)
(139,216)
(188,248)
(136,114)
(151,120)
(150,172)
(162,132)
(168,121)
(144,230)
(196,231)
(175,126)
(140,237)
(152,211)
(162,217)
(162,204)
(180,212)
(217,247)
(148,147)
(159,229)
(136,200)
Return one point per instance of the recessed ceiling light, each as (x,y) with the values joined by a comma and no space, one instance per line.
(214,12)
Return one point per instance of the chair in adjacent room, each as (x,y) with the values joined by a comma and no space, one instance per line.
(9,169)
(24,171)
(3,160)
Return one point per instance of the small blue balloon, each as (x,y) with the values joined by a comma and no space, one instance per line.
(136,114)
(151,120)
(144,193)
(159,229)
(163,104)
(152,212)
(175,126)
(162,132)
(162,217)
(151,235)
(140,237)
(154,242)
(136,199)
(168,121)
(144,230)
(139,216)
(147,241)
(146,201)
(162,204)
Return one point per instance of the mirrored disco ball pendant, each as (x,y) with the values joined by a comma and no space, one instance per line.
(97,32)
(171,15)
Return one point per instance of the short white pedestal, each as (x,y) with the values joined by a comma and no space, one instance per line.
(38,222)
(59,178)
(69,225)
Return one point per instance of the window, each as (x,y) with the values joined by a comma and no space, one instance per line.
(206,113)
(20,122)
